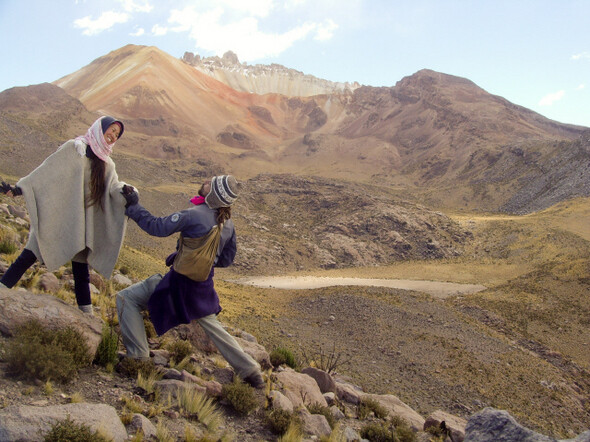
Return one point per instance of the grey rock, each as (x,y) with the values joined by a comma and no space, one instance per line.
(280,401)
(456,425)
(48,282)
(491,425)
(30,423)
(324,380)
(19,306)
(300,388)
(141,423)
(314,424)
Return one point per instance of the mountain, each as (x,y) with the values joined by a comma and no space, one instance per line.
(440,135)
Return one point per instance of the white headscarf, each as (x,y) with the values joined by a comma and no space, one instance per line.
(95,139)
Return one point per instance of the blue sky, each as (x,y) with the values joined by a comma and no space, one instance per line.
(534,53)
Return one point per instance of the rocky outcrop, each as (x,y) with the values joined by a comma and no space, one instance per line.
(264,79)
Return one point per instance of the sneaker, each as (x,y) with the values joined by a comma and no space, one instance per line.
(255,380)
(87,309)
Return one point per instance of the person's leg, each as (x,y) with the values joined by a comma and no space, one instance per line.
(18,268)
(82,286)
(130,303)
(244,364)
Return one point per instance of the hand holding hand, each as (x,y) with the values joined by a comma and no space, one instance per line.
(130,195)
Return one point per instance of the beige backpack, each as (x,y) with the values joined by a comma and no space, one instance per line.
(196,256)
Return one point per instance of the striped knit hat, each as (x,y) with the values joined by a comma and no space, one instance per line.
(224,191)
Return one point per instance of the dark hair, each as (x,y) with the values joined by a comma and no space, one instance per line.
(97,182)
(223,214)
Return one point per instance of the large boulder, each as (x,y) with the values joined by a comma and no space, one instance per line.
(299,388)
(18,307)
(491,425)
(31,423)
(396,407)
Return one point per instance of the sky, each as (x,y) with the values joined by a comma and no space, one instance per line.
(534,53)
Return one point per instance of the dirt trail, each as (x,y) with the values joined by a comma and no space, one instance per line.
(437,289)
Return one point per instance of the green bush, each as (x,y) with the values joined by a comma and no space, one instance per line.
(378,432)
(68,430)
(7,246)
(107,350)
(37,352)
(280,420)
(179,350)
(240,395)
(281,355)
(131,367)
(368,405)
(396,430)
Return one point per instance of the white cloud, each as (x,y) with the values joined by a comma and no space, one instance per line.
(580,87)
(136,6)
(326,30)
(106,21)
(549,99)
(257,8)
(158,30)
(138,33)
(218,29)
(581,56)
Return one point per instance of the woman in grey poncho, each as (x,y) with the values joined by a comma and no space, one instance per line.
(76,208)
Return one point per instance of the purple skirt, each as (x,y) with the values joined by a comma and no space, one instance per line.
(178,299)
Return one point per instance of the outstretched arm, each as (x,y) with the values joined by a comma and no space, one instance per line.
(156,226)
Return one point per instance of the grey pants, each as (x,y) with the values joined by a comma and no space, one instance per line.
(134,299)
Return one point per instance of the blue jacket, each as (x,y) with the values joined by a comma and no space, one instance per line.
(178,299)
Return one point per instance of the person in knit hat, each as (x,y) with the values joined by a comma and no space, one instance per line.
(187,292)
(76,209)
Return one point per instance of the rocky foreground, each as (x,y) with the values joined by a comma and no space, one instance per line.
(28,410)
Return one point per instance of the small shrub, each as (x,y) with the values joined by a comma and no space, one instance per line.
(147,383)
(281,355)
(403,430)
(241,396)
(396,430)
(328,361)
(324,411)
(163,433)
(280,420)
(378,432)
(368,405)
(293,434)
(106,353)
(77,398)
(37,352)
(197,404)
(74,343)
(8,247)
(68,430)
(179,350)
(132,405)
(131,367)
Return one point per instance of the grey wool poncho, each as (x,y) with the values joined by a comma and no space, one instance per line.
(62,227)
